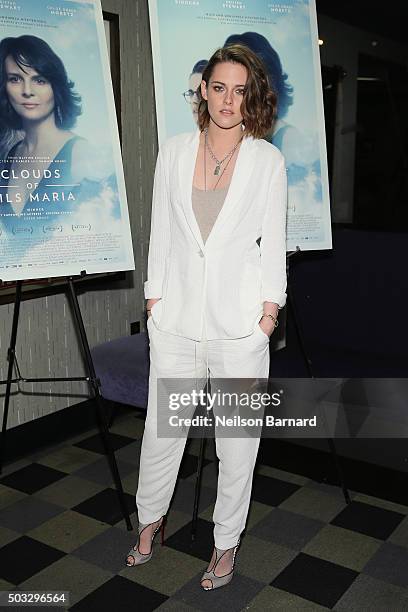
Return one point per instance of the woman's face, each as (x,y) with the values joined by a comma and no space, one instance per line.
(29,93)
(224,93)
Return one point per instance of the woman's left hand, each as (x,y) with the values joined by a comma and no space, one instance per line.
(267,325)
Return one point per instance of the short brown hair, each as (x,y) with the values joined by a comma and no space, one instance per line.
(259,103)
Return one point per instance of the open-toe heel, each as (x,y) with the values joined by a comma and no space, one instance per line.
(219,581)
(135,554)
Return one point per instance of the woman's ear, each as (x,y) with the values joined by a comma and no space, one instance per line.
(203,86)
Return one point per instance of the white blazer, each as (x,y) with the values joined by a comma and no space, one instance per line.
(228,278)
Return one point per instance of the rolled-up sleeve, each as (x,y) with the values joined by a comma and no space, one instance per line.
(273,241)
(159,233)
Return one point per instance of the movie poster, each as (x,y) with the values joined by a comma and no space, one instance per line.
(185,33)
(63,205)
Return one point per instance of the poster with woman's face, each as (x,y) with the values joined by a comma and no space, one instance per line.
(63,205)
(185,33)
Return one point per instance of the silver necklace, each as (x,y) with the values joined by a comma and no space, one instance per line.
(217,161)
(224,169)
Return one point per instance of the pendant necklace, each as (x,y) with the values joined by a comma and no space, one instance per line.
(217,161)
(231,154)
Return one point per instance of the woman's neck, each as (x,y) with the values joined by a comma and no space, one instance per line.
(42,136)
(223,139)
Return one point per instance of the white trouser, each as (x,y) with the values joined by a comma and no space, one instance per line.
(176,356)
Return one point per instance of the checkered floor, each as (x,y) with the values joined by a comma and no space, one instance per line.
(304,548)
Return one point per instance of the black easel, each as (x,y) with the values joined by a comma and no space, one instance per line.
(298,328)
(92,379)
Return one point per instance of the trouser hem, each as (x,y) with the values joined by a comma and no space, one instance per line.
(225,544)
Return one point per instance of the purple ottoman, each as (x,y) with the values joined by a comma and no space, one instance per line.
(122,365)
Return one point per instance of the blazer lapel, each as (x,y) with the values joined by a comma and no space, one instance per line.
(187,161)
(242,172)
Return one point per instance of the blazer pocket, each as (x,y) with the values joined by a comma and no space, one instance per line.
(264,335)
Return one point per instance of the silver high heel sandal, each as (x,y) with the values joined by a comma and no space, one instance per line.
(137,556)
(219,581)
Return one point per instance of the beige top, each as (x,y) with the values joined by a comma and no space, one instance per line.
(206,207)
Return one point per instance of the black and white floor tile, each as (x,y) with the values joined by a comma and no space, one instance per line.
(304,548)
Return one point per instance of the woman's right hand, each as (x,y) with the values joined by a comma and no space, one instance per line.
(149,305)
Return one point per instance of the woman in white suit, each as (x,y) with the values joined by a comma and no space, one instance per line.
(213,292)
